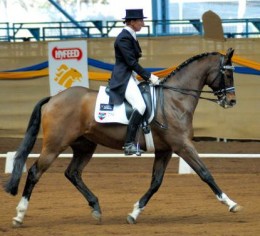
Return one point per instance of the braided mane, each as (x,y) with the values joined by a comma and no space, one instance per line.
(187,62)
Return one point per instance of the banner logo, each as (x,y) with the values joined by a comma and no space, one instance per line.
(66,53)
(66,76)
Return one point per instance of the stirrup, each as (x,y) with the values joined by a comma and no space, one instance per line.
(132,149)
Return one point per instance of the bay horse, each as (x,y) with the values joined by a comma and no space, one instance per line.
(68,120)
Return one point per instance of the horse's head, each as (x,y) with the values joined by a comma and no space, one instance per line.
(221,80)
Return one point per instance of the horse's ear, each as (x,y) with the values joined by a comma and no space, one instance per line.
(229,55)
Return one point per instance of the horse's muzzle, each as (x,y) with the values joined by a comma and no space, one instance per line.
(227,101)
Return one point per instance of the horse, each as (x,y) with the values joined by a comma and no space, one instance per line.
(67,120)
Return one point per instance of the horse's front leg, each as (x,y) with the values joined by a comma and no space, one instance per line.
(190,155)
(160,163)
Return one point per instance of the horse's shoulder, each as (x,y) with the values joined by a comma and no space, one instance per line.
(80,90)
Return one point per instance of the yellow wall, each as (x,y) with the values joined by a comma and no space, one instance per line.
(18,97)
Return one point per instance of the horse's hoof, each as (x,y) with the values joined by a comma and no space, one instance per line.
(130,220)
(96,215)
(17,223)
(236,208)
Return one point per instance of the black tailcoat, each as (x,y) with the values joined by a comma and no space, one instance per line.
(127,53)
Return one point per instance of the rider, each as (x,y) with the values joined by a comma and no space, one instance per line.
(123,82)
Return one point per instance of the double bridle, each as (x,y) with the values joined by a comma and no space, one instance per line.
(220,93)
(223,90)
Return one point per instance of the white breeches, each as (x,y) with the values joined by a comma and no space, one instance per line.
(134,96)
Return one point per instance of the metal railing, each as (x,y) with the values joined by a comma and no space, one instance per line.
(45,31)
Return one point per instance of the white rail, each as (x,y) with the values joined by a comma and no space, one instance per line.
(116,155)
(184,168)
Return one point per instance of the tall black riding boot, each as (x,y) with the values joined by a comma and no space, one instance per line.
(130,146)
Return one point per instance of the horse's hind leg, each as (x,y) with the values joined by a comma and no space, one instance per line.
(82,153)
(159,166)
(34,174)
(190,155)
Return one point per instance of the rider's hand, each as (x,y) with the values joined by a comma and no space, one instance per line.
(154,79)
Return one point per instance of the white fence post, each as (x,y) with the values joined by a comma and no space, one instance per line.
(184,168)
(9,162)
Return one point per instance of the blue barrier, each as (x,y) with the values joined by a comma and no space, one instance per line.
(107,66)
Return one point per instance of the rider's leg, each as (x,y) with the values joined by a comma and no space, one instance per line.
(134,97)
(130,146)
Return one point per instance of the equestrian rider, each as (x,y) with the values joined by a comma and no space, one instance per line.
(123,83)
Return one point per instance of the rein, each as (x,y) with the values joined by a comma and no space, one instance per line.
(160,95)
(186,92)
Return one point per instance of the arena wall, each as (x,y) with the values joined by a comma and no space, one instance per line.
(18,97)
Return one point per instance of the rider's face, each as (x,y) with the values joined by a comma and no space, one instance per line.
(137,25)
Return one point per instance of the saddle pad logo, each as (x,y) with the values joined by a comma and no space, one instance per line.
(66,76)
(106,107)
(101,115)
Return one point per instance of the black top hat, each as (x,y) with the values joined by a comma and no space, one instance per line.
(133,14)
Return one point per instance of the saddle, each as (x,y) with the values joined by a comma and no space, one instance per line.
(110,113)
(145,91)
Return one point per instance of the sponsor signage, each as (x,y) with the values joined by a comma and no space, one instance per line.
(67,65)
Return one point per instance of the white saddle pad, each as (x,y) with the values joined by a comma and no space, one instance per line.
(109,113)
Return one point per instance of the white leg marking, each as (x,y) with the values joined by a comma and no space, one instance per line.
(136,211)
(227,201)
(21,210)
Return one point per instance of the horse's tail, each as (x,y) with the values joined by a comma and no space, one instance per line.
(25,148)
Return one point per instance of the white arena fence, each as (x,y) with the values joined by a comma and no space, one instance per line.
(184,168)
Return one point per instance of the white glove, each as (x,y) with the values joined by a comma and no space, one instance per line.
(154,79)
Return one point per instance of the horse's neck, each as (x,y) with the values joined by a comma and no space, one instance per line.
(193,79)
(185,82)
